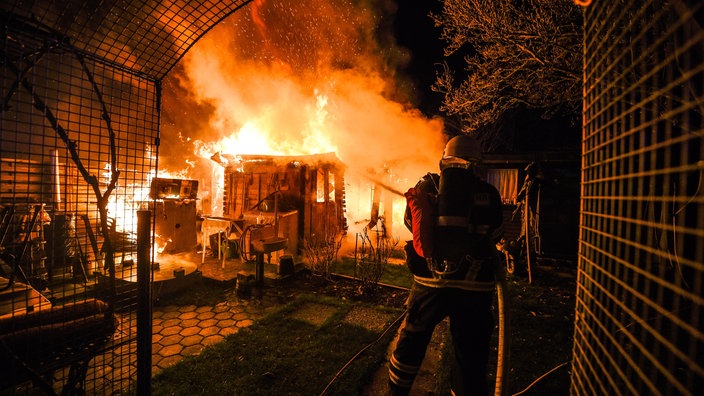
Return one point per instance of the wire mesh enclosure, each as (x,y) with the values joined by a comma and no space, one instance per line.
(79,142)
(640,297)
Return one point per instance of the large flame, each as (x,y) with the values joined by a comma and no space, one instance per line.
(295,78)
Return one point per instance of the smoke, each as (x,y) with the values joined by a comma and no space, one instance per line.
(301,77)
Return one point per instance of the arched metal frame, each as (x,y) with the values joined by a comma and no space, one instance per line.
(79,122)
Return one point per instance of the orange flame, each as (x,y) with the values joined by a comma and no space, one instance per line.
(297,78)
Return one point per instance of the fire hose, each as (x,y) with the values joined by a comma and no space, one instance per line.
(503,355)
(501,384)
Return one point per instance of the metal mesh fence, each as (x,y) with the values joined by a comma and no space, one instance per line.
(79,122)
(640,297)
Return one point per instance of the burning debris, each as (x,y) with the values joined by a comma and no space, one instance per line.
(300,196)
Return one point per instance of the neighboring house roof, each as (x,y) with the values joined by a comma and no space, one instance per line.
(539,156)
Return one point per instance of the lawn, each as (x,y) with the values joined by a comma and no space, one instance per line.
(298,350)
(283,354)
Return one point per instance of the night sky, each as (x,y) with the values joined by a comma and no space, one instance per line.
(415,31)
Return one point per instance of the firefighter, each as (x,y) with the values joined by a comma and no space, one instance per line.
(456,220)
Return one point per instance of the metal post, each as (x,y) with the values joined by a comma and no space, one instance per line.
(144,304)
(56,179)
(259,269)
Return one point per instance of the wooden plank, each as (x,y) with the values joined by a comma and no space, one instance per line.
(24,178)
(11,173)
(22,166)
(15,198)
(25,187)
(23,181)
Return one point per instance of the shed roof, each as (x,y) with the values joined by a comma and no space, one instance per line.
(252,160)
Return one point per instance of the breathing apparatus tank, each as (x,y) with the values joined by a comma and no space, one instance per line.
(460,226)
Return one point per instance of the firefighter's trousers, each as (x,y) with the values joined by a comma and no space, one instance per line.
(471,326)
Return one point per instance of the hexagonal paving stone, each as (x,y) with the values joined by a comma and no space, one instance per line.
(189,331)
(171,340)
(190,322)
(241,316)
(227,323)
(213,339)
(223,315)
(208,323)
(192,340)
(187,308)
(171,350)
(171,330)
(206,315)
(244,323)
(171,322)
(170,315)
(228,330)
(208,331)
(188,315)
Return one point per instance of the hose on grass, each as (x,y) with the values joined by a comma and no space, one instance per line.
(383,333)
(527,388)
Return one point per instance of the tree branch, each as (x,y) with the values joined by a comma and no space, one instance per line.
(114,171)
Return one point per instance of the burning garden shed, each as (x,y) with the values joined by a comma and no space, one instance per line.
(303,196)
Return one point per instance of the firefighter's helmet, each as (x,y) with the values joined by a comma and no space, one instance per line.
(461,150)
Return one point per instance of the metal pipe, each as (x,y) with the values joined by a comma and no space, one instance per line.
(56,176)
(276,213)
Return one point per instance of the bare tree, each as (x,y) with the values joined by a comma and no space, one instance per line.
(517,53)
(58,43)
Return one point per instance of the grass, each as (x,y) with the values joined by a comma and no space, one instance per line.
(286,356)
(282,355)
